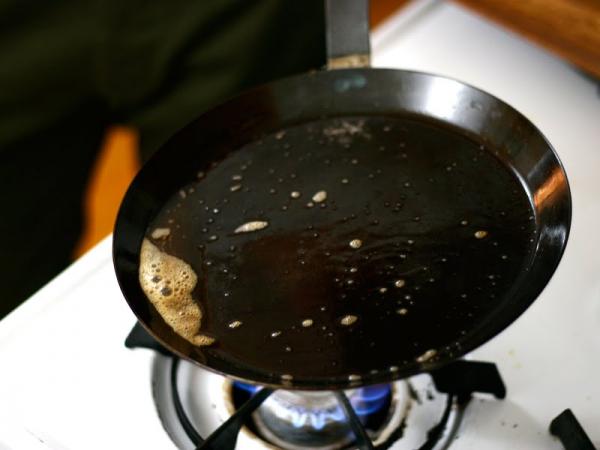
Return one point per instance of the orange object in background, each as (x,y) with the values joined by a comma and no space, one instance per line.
(114,169)
(379,10)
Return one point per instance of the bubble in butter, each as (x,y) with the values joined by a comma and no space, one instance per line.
(168,283)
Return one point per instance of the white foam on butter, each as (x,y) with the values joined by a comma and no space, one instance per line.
(168,283)
(161,233)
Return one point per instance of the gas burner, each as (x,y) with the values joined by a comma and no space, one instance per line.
(422,412)
(407,414)
(299,420)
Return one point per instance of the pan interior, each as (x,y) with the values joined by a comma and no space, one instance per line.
(384,242)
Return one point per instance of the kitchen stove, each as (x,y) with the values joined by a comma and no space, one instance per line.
(68,383)
(423,412)
(415,411)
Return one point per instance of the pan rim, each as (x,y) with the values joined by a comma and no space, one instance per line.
(316,383)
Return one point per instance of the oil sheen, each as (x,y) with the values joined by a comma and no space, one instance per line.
(348,245)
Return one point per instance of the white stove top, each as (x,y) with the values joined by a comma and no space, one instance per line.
(68,382)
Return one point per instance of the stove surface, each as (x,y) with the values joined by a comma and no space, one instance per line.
(69,383)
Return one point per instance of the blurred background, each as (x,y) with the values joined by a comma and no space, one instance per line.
(118,162)
(569,28)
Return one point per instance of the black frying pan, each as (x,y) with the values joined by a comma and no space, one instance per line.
(461,207)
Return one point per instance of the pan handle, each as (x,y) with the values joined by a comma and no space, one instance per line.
(347,33)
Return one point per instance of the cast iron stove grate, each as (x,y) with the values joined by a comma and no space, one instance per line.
(459,380)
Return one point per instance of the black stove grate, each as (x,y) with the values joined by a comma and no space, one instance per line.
(459,379)
(570,432)
(226,435)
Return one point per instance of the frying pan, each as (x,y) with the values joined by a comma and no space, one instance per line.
(409,218)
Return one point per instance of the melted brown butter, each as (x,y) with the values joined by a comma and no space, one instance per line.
(168,283)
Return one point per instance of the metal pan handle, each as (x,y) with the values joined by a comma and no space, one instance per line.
(347,33)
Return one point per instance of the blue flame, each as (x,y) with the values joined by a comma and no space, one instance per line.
(317,419)
(370,399)
(246,387)
(365,401)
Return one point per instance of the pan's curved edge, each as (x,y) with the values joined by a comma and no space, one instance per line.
(125,253)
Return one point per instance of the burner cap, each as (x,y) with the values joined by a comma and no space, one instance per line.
(315,420)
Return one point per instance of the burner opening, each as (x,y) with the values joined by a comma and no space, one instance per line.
(301,419)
